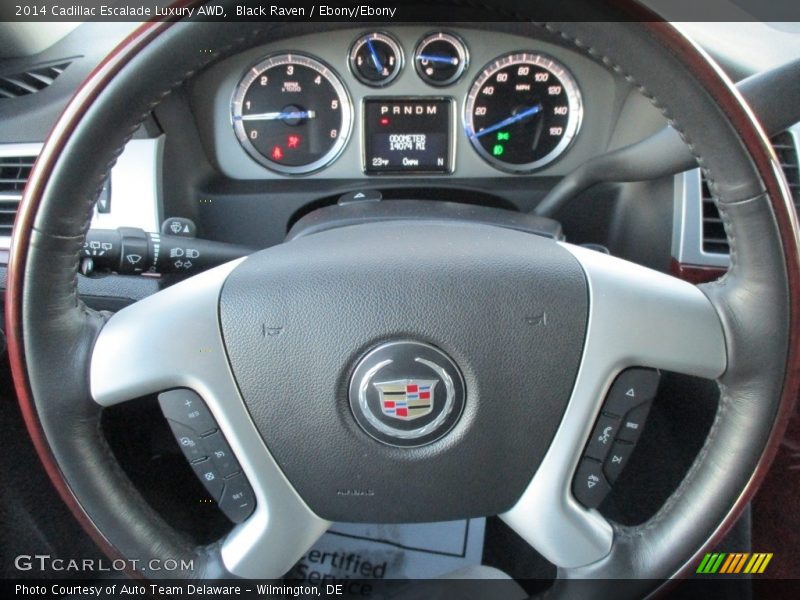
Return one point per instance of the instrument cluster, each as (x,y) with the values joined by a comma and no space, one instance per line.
(294,112)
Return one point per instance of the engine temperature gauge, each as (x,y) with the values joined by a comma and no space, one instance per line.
(376,59)
(440,59)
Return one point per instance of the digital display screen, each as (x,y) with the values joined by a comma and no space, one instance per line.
(407,135)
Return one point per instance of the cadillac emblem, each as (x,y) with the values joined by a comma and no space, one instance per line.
(406,393)
(406,399)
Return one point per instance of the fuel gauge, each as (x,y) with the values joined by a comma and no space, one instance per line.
(440,59)
(376,59)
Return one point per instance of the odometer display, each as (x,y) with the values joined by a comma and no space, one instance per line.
(407,135)
(292,114)
(522,112)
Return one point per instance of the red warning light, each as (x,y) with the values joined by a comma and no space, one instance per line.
(277,153)
(293,141)
(384,121)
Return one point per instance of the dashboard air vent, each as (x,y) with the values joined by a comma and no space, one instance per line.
(714,239)
(31,81)
(787,155)
(14,173)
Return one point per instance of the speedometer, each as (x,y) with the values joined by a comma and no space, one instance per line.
(522,111)
(291,113)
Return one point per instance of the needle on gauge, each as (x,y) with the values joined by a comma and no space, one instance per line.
(529,112)
(448,60)
(375,58)
(279,115)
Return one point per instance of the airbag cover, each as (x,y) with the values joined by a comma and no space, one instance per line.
(509,308)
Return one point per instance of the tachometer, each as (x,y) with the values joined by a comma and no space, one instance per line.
(522,111)
(292,113)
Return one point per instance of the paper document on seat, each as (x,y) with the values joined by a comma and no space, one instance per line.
(408,551)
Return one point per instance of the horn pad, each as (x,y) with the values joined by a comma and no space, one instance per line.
(480,324)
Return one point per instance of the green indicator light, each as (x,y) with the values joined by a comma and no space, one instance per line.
(503,136)
(498,150)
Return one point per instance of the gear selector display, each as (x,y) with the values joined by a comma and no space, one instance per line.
(408,135)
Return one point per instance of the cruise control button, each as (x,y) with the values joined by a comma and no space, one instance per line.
(209,477)
(590,486)
(602,437)
(633,423)
(617,459)
(237,500)
(221,454)
(185,406)
(631,388)
(190,443)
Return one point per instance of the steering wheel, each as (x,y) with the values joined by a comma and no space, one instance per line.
(527,335)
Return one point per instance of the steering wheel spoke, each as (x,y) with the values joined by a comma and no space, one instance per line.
(637,317)
(640,317)
(173,340)
(168,340)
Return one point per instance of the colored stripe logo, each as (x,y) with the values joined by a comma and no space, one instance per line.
(734,563)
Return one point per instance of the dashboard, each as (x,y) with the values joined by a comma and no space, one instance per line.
(207,155)
(405,101)
(475,86)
